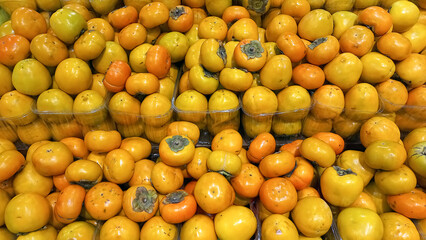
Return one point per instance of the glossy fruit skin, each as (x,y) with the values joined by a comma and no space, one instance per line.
(277,164)
(158,61)
(344,70)
(409,74)
(69,203)
(395,45)
(27,212)
(340,187)
(356,223)
(30,77)
(14,48)
(28,22)
(177,207)
(157,228)
(260,147)
(328,102)
(67,25)
(119,166)
(102,141)
(276,73)
(132,36)
(181,18)
(153,14)
(308,76)
(411,204)
(332,139)
(279,227)
(404,15)
(235,221)
(48,49)
(385,155)
(393,94)
(77,230)
(213,192)
(47,233)
(199,226)
(401,180)
(202,80)
(212,55)
(212,27)
(166,179)
(113,51)
(322,50)
(84,172)
(116,76)
(52,158)
(248,182)
(416,158)
(312,216)
(104,200)
(358,40)
(122,17)
(226,163)
(52,199)
(198,165)
(378,128)
(140,202)
(252,61)
(355,160)
(315,24)
(361,102)
(4,199)
(397,226)
(73,76)
(242,29)
(278,195)
(377,68)
(302,175)
(119,226)
(11,161)
(156,110)
(377,18)
(318,151)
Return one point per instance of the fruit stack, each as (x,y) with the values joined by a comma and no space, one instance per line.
(207,119)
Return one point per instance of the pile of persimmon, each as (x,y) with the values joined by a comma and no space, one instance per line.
(304,67)
(300,66)
(75,186)
(88,86)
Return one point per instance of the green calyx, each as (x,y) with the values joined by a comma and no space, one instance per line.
(253,49)
(86,184)
(221,52)
(258,6)
(317,42)
(209,74)
(177,143)
(175,197)
(342,172)
(145,200)
(176,12)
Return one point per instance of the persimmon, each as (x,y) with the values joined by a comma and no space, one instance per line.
(158,61)
(122,17)
(261,146)
(116,76)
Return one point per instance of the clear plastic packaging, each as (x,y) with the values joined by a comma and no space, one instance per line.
(210,122)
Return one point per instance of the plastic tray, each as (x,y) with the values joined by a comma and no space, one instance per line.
(407,117)
(152,127)
(209,122)
(76,124)
(301,123)
(24,130)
